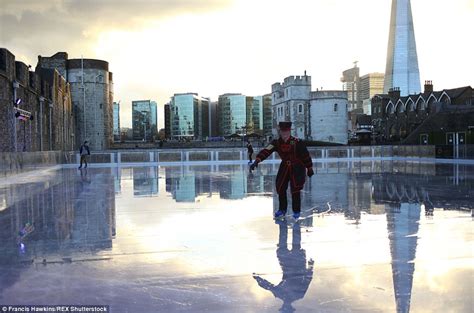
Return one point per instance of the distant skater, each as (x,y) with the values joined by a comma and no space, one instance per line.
(295,164)
(249,151)
(84,151)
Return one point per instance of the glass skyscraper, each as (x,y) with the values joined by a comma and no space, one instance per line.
(144,120)
(402,61)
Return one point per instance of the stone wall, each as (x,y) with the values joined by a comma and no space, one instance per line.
(329,116)
(46,95)
(19,162)
(287,98)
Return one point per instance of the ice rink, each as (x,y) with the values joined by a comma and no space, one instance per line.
(374,237)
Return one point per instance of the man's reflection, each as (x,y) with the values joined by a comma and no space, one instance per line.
(84,176)
(296,274)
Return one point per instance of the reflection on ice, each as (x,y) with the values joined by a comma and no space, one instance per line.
(188,238)
(402,224)
(297,273)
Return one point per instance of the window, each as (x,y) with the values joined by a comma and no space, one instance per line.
(300,108)
(335,107)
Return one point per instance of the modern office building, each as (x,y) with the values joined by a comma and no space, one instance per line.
(351,83)
(241,114)
(370,85)
(234,114)
(116,121)
(190,116)
(214,129)
(144,120)
(261,115)
(267,115)
(402,60)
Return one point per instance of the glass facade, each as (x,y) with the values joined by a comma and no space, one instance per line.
(189,116)
(154,119)
(116,131)
(234,114)
(261,115)
(257,116)
(370,85)
(144,120)
(167,121)
(267,115)
(402,60)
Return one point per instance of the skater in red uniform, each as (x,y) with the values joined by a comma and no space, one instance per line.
(295,164)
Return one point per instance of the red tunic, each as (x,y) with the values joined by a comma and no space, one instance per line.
(295,159)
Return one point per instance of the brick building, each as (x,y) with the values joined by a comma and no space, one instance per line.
(46,101)
(431,117)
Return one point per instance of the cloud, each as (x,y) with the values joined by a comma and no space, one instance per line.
(40,26)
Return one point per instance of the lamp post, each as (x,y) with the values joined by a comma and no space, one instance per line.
(83,100)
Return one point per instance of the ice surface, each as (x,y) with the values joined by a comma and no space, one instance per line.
(374,237)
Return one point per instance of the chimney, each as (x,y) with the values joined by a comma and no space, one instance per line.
(394,93)
(428,86)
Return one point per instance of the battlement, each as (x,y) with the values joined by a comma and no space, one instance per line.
(325,94)
(289,81)
(297,80)
(87,64)
(276,87)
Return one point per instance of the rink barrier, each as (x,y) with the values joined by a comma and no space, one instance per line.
(12,163)
(240,154)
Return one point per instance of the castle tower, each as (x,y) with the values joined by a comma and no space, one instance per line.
(290,102)
(402,61)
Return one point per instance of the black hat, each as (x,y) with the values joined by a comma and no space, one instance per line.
(285,125)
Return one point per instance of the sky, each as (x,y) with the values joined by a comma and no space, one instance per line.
(156,48)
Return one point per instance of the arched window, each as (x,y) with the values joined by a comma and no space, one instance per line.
(445,99)
(335,107)
(390,109)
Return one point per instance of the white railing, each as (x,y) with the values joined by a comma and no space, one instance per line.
(240,155)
